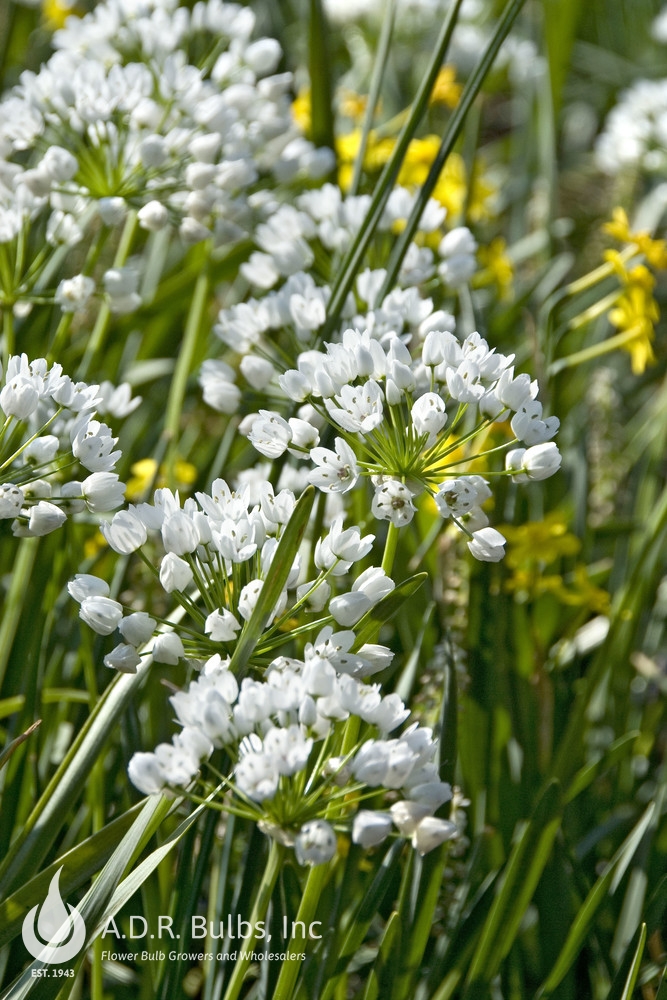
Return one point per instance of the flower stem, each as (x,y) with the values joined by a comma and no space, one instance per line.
(390,549)
(183,365)
(104,316)
(317,878)
(259,910)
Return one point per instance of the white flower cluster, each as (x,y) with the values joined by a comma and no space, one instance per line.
(269,729)
(120,118)
(49,432)
(323,223)
(218,551)
(635,132)
(402,420)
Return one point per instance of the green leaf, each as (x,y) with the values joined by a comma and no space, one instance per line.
(79,865)
(96,901)
(585,777)
(15,744)
(368,627)
(127,888)
(452,132)
(321,89)
(606,883)
(281,566)
(370,904)
(353,259)
(626,976)
(386,957)
(560,23)
(516,887)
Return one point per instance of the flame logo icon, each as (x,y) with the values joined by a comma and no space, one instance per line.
(54,932)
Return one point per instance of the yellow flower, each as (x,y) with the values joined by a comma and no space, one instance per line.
(353,105)
(635,315)
(56,12)
(144,475)
(497,267)
(451,188)
(301,110)
(419,156)
(533,547)
(655,251)
(539,542)
(445,89)
(377,153)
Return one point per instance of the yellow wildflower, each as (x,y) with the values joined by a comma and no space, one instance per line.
(56,12)
(654,250)
(533,547)
(451,188)
(445,89)
(497,267)
(419,156)
(301,110)
(353,105)
(144,475)
(635,315)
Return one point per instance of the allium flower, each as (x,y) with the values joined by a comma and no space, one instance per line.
(393,502)
(315,843)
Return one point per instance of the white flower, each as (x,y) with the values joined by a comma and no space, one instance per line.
(175,573)
(44,518)
(270,434)
(430,832)
(217,382)
(257,776)
(258,372)
(153,216)
(528,425)
(103,491)
(221,625)
(360,407)
(125,533)
(124,658)
(458,249)
(393,502)
(102,614)
(19,398)
(179,534)
(112,211)
(538,462)
(429,416)
(93,445)
(456,497)
(369,588)
(487,545)
(84,585)
(73,294)
(389,714)
(315,843)
(146,774)
(11,500)
(407,814)
(168,648)
(336,471)
(370,828)
(137,628)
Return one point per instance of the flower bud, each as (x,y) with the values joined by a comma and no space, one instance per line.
(315,843)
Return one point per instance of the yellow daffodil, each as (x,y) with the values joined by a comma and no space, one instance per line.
(301,110)
(56,12)
(445,89)
(497,267)
(144,475)
(655,251)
